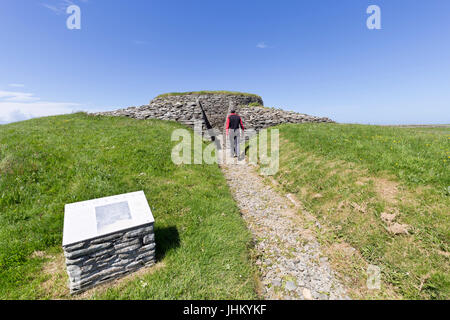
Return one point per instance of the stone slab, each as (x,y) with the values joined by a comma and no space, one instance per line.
(99,217)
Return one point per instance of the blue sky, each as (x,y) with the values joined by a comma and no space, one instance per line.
(315,57)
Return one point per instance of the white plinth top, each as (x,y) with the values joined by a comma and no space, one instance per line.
(93,218)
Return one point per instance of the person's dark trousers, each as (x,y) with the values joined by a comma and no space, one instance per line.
(235,140)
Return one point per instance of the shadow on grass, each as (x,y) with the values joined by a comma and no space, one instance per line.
(166,239)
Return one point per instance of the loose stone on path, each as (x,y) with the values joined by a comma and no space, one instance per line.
(291,265)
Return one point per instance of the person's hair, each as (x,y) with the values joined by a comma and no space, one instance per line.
(233,111)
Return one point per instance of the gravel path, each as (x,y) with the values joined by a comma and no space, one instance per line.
(288,257)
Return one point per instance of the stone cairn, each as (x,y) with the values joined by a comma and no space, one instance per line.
(108,257)
(184,109)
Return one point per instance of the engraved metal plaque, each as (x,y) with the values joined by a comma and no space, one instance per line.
(110,214)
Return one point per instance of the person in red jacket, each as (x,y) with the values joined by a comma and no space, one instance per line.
(234,122)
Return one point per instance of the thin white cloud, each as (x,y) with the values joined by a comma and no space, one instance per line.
(18,106)
(53,8)
(17,96)
(16,85)
(61,6)
(262,45)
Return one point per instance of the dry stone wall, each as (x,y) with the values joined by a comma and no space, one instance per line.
(184,109)
(261,117)
(106,258)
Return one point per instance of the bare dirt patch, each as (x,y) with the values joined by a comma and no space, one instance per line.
(393,227)
(444,253)
(359,207)
(388,217)
(56,286)
(317,196)
(398,228)
(40,254)
(386,189)
(343,247)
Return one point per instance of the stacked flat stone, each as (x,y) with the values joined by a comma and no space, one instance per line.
(109,257)
(184,109)
(261,117)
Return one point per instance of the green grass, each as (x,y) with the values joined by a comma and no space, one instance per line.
(257,104)
(254,104)
(416,156)
(208,92)
(202,243)
(332,167)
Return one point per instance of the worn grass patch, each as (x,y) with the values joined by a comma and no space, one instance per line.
(48,162)
(380,190)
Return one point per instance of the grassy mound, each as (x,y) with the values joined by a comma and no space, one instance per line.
(208,92)
(383,191)
(45,163)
